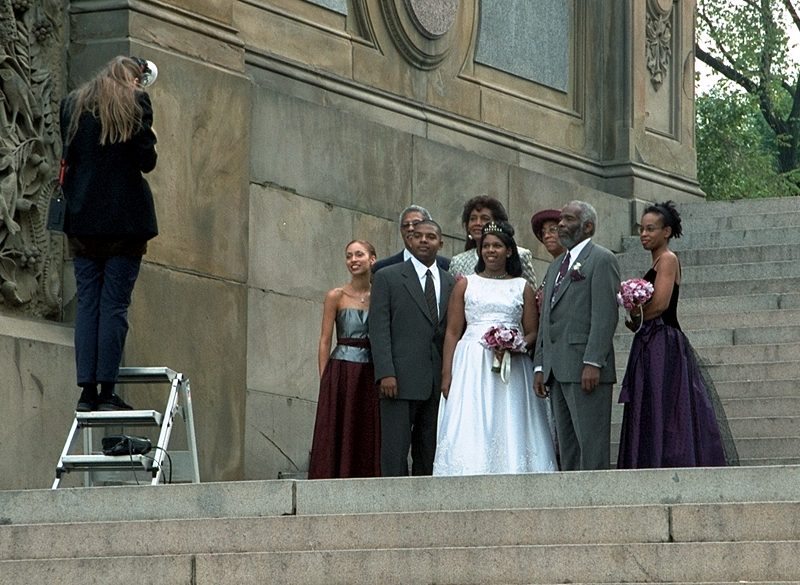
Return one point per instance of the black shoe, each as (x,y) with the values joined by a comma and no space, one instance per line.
(113,402)
(88,401)
(86,406)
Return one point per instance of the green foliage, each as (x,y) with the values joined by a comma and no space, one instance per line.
(748,126)
(736,150)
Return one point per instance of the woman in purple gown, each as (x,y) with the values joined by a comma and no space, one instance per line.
(669,419)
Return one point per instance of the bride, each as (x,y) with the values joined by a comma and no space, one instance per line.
(487,425)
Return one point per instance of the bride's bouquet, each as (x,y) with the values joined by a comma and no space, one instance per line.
(500,338)
(634,293)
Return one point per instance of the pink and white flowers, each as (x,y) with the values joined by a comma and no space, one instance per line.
(634,293)
(501,339)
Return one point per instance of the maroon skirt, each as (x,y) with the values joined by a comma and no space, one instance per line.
(347,431)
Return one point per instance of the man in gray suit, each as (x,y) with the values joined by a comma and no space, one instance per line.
(574,355)
(407,320)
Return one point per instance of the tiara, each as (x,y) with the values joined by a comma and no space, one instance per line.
(493,227)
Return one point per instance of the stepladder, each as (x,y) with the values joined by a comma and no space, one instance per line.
(161,464)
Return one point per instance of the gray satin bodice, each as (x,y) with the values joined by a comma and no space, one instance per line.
(352,337)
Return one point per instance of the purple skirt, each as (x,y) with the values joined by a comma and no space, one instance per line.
(669,420)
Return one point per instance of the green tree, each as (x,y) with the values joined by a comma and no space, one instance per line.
(747,42)
(736,149)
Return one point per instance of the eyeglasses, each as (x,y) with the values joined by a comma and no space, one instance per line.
(648,229)
(410,224)
(551,230)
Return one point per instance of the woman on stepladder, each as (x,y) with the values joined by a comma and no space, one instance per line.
(109,142)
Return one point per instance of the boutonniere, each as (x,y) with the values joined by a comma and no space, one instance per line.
(575,273)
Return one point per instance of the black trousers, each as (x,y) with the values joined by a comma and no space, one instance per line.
(404,424)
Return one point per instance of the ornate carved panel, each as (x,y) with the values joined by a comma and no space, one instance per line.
(659,40)
(31,258)
(422,30)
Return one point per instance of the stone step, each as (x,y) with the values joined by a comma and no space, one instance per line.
(740,271)
(747,354)
(541,526)
(393,495)
(615,563)
(760,220)
(613,525)
(763,407)
(690,290)
(740,319)
(739,207)
(756,389)
(736,304)
(762,448)
(733,238)
(763,371)
(765,427)
(637,260)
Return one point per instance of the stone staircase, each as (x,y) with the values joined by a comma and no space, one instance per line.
(740,308)
(685,526)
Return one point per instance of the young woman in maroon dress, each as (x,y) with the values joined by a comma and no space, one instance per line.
(347,430)
(669,419)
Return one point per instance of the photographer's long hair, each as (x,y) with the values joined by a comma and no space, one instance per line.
(110,96)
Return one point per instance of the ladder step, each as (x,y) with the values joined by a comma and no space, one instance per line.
(107,462)
(146,375)
(113,418)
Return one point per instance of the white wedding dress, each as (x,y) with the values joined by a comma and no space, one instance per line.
(486,425)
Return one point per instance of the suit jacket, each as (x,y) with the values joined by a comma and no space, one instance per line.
(580,326)
(406,343)
(441,262)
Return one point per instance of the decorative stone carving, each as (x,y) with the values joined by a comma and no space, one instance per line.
(421,29)
(659,40)
(433,17)
(31,258)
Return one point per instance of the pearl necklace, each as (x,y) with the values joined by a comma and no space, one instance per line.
(498,277)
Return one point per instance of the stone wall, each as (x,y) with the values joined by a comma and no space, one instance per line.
(289,127)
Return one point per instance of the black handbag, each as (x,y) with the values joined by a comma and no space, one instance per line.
(57,209)
(126,445)
(56,213)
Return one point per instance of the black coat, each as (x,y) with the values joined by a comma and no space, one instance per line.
(104,187)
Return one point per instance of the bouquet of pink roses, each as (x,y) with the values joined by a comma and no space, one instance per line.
(500,338)
(634,293)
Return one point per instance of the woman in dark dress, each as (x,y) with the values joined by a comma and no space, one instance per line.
(109,143)
(347,430)
(669,420)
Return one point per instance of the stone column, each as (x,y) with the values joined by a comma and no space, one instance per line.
(654,157)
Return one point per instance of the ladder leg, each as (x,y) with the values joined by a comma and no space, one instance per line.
(65,452)
(186,395)
(88,437)
(166,431)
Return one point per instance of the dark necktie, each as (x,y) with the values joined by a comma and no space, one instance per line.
(562,272)
(430,296)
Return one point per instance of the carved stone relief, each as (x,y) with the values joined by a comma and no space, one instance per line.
(659,40)
(422,30)
(31,258)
